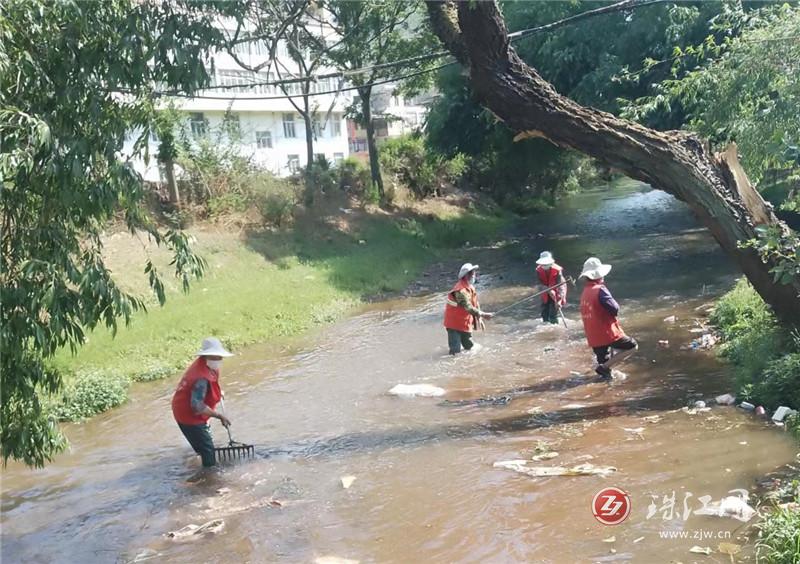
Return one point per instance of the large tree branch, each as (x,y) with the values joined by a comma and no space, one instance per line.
(713,185)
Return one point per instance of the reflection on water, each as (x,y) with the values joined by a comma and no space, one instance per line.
(425,487)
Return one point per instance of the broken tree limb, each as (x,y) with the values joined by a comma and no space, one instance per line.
(714,186)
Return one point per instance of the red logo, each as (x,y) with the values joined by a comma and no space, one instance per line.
(611,506)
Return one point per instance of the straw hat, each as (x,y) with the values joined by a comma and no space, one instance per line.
(212,347)
(466,268)
(593,269)
(546,258)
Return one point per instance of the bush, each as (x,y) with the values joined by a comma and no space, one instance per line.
(275,199)
(765,358)
(354,176)
(92,393)
(780,383)
(779,537)
(424,172)
(752,334)
(320,178)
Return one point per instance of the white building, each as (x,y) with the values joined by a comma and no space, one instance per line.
(271,130)
(393,116)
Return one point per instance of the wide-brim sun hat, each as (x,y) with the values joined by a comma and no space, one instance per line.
(466,268)
(212,347)
(593,269)
(545,258)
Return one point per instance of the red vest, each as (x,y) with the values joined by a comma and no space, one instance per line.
(550,278)
(600,326)
(455,316)
(182,398)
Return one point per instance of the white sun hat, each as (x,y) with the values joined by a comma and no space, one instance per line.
(593,269)
(545,258)
(212,347)
(466,268)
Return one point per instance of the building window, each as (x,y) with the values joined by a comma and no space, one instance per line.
(197,122)
(337,128)
(294,163)
(264,139)
(337,158)
(288,126)
(153,136)
(316,126)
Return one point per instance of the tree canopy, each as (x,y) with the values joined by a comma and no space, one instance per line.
(76,78)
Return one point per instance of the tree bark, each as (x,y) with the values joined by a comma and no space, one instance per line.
(372,148)
(713,185)
(172,186)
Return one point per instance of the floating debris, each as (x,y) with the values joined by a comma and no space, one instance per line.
(421,390)
(544,456)
(196,531)
(347,481)
(701,550)
(544,471)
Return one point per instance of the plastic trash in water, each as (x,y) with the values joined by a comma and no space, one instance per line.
(422,390)
(747,406)
(782,413)
(725,399)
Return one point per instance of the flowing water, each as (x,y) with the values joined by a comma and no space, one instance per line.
(425,488)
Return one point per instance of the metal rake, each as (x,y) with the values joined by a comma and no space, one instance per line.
(234,450)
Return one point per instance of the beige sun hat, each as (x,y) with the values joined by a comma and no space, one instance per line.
(545,258)
(593,269)
(212,347)
(466,268)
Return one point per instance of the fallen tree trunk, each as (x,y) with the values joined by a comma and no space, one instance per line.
(714,186)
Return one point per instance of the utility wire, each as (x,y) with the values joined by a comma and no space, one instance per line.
(523,33)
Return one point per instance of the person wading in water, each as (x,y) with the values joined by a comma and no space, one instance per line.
(550,274)
(462,313)
(599,312)
(196,397)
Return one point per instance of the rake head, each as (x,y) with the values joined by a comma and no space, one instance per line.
(234,451)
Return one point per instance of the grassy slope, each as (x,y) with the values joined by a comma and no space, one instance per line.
(262,286)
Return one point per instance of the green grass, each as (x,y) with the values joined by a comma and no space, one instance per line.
(779,537)
(259,287)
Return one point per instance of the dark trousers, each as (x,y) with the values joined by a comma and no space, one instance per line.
(603,353)
(458,339)
(200,439)
(550,312)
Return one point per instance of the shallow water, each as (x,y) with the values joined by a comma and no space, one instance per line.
(425,488)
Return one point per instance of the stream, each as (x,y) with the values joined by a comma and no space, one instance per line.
(425,487)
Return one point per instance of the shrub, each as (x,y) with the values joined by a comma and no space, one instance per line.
(354,176)
(779,537)
(275,199)
(320,178)
(424,173)
(751,332)
(780,383)
(92,393)
(766,360)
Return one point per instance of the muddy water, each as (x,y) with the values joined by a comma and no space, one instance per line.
(426,489)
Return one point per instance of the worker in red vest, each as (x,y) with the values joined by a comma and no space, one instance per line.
(551,274)
(599,312)
(462,314)
(197,396)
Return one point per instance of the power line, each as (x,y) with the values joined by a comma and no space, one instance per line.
(523,33)
(310,94)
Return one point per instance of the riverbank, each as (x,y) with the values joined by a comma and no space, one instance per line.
(264,285)
(765,359)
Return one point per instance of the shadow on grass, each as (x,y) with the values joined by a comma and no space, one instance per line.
(366,254)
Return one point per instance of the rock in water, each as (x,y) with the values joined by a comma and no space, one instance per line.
(412,390)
